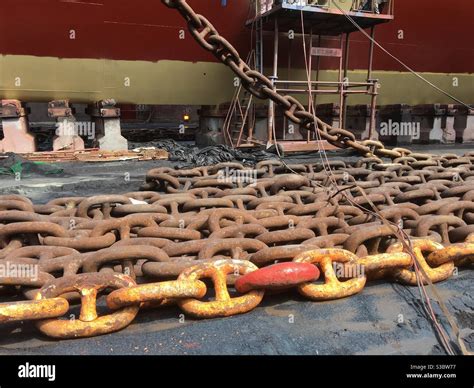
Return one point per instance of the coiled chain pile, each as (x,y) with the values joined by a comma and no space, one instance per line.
(274,227)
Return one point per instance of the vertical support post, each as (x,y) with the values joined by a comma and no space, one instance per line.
(468,134)
(318,67)
(346,69)
(371,53)
(426,122)
(310,81)
(274,77)
(288,85)
(449,133)
(106,118)
(366,109)
(16,135)
(67,129)
(261,46)
(373,103)
(436,133)
(341,86)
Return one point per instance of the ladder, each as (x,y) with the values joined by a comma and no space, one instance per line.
(240,114)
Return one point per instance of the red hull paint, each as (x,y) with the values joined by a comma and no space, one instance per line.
(112,29)
(437,33)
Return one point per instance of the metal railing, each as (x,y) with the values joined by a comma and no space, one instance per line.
(385,7)
(365,6)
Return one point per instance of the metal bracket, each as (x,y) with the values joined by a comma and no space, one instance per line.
(104,109)
(13,109)
(60,108)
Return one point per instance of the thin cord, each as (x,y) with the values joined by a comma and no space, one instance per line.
(414,72)
(398,231)
(417,269)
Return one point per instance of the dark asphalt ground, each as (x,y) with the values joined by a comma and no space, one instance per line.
(384,319)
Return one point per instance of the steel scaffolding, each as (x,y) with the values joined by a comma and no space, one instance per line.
(318,19)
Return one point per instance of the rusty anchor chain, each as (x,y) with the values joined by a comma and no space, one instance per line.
(281,233)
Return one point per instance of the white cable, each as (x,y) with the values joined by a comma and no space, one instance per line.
(418,75)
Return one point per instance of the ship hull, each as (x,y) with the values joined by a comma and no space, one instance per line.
(131,51)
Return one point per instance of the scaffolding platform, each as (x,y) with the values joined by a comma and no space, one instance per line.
(321,18)
(324,21)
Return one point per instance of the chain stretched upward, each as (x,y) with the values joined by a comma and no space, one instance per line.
(261,87)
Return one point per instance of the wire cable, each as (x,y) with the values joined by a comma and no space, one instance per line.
(414,72)
(398,231)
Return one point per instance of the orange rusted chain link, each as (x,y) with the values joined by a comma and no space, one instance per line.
(381,265)
(224,305)
(437,274)
(33,310)
(88,324)
(156,292)
(461,254)
(332,287)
